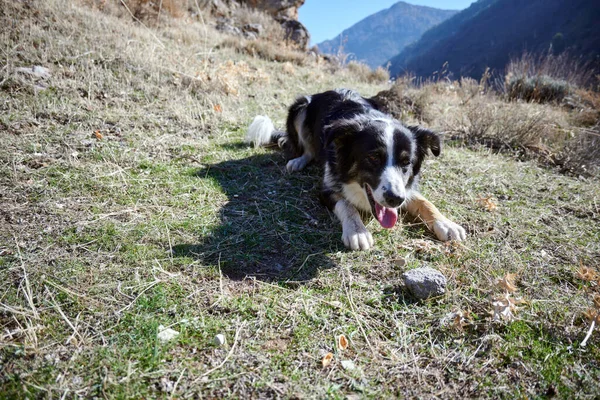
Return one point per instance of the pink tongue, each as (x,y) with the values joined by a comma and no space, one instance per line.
(387,217)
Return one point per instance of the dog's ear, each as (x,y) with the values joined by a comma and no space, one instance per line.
(426,140)
(340,130)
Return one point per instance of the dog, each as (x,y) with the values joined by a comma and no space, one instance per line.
(371,161)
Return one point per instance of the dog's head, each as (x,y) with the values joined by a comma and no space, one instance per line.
(382,156)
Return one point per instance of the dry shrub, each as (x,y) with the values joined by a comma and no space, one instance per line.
(380,74)
(404,101)
(539,88)
(529,131)
(364,73)
(585,108)
(546,77)
(506,126)
(468,88)
(581,154)
(267,50)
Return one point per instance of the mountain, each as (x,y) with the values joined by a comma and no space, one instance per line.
(490,32)
(380,36)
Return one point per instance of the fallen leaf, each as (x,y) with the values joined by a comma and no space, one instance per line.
(218,108)
(342,342)
(586,273)
(592,315)
(505,308)
(508,283)
(327,359)
(462,319)
(597,301)
(457,320)
(98,135)
(487,203)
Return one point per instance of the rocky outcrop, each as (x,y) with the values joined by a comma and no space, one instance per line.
(249,31)
(280,9)
(296,32)
(283,11)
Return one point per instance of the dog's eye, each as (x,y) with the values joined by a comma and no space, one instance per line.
(374,159)
(404,162)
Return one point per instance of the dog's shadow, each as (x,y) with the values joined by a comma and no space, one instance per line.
(271,225)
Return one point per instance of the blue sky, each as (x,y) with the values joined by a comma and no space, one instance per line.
(325,19)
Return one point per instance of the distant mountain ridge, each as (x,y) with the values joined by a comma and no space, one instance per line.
(490,32)
(380,36)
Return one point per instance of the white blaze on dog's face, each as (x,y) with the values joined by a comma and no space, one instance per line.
(387,189)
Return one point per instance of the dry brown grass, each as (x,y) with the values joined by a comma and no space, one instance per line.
(510,125)
(561,67)
(525,129)
(585,108)
(151,12)
(267,50)
(474,113)
(365,74)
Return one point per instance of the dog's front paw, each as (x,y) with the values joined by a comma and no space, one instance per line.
(297,164)
(447,230)
(357,238)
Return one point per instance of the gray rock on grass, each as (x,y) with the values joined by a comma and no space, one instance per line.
(425,282)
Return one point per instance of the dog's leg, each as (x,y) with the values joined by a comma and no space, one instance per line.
(304,138)
(297,164)
(354,233)
(418,206)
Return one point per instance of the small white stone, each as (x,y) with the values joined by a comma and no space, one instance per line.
(166,334)
(219,340)
(348,365)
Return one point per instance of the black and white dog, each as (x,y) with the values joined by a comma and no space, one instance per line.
(372,161)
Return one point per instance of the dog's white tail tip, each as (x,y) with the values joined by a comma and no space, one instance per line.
(260,131)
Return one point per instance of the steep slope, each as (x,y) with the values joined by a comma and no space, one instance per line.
(490,32)
(436,35)
(380,36)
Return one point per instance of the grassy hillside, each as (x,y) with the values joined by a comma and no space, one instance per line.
(128,201)
(378,37)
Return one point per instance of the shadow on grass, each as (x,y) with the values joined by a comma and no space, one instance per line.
(272,226)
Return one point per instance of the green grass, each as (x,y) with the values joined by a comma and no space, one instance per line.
(171,220)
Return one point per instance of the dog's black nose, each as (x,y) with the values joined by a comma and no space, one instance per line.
(392,199)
